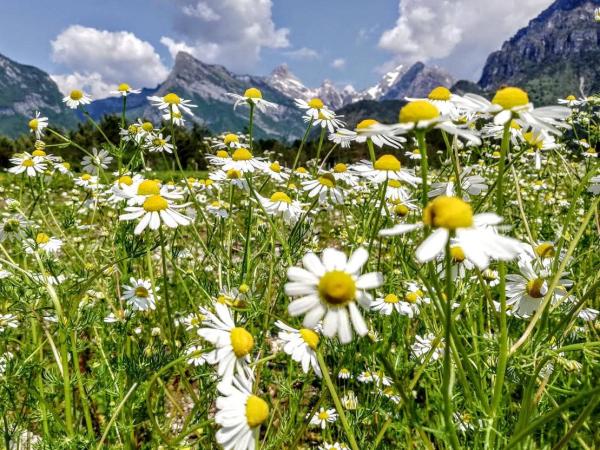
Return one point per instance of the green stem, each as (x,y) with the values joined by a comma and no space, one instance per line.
(319,148)
(336,400)
(302,145)
(251,125)
(424,166)
(371,150)
(163,257)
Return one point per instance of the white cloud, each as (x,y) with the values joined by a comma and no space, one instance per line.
(102,59)
(338,63)
(303,53)
(228,32)
(438,29)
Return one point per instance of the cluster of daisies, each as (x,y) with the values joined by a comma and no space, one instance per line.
(434,220)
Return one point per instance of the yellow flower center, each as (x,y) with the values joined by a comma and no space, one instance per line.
(416,151)
(33,124)
(448,212)
(401,210)
(391,298)
(571,98)
(417,111)
(233,174)
(388,163)
(337,288)
(515,125)
(275,167)
(394,183)
(76,95)
(257,411)
(123,87)
(489,275)
(496,154)
(27,163)
(125,179)
(222,154)
(253,93)
(141,291)
(230,137)
(510,97)
(281,197)
(323,415)
(366,123)
(327,180)
(545,250)
(242,154)
(301,170)
(412,297)
(155,203)
(340,168)
(40,145)
(66,165)
(241,341)
(440,93)
(38,153)
(310,337)
(457,254)
(148,187)
(147,127)
(172,99)
(535,140)
(86,177)
(133,129)
(534,288)
(42,238)
(316,103)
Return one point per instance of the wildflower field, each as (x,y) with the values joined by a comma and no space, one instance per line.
(441,293)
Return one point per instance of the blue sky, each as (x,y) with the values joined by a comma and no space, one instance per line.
(347,41)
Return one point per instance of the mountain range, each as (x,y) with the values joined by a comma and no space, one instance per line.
(553,56)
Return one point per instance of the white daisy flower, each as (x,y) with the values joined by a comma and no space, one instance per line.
(280,204)
(240,415)
(124,90)
(323,417)
(196,358)
(423,345)
(42,241)
(155,210)
(252,96)
(444,100)
(172,102)
(37,125)
(139,294)
(301,345)
(276,172)
(314,108)
(233,344)
(332,123)
(159,144)
(385,305)
(571,101)
(8,321)
(28,164)
(329,289)
(88,181)
(386,167)
(218,208)
(98,159)
(13,227)
(371,129)
(233,176)
(229,141)
(243,160)
(474,234)
(469,184)
(341,172)
(326,188)
(77,97)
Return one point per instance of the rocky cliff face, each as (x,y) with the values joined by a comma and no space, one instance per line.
(556,55)
(418,81)
(25,90)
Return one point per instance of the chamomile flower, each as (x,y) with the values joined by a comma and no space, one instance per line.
(424,346)
(154,211)
(77,97)
(240,415)
(445,101)
(344,374)
(37,125)
(43,242)
(233,344)
(341,172)
(474,233)
(323,417)
(233,176)
(571,101)
(243,160)
(8,321)
(13,227)
(329,289)
(280,204)
(301,345)
(539,141)
(196,358)
(28,164)
(325,188)
(218,208)
(331,123)
(314,108)
(87,181)
(229,141)
(159,144)
(124,90)
(252,96)
(171,102)
(389,303)
(96,161)
(371,129)
(139,295)
(386,167)
(276,172)
(471,185)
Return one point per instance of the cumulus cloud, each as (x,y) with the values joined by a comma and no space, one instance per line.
(303,53)
(338,63)
(438,29)
(228,32)
(99,60)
